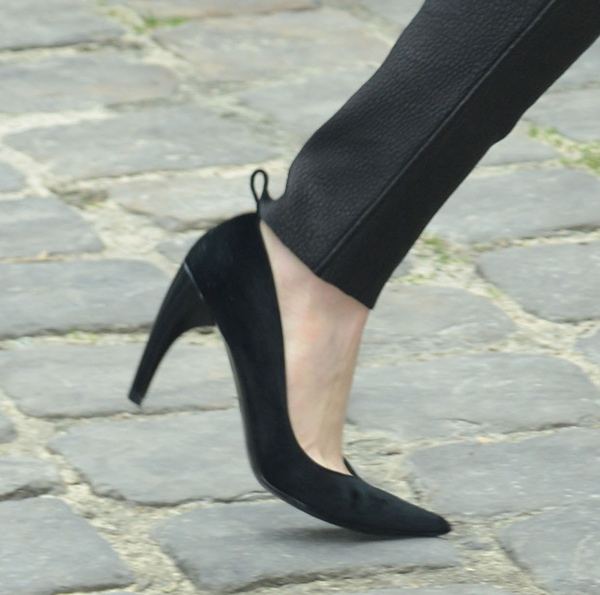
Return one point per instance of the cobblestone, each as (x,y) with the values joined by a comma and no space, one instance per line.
(553,282)
(23,478)
(34,226)
(192,9)
(583,73)
(412,320)
(81,82)
(10,179)
(185,203)
(574,114)
(165,461)
(24,25)
(486,479)
(315,99)
(61,297)
(7,431)
(521,204)
(273,45)
(268,545)
(565,566)
(518,148)
(171,138)
(63,553)
(444,398)
(92,380)
(127,128)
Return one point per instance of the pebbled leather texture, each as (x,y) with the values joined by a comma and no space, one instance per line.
(463,72)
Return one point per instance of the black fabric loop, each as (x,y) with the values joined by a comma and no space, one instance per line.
(265,193)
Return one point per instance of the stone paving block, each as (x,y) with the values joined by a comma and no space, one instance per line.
(61,22)
(520,204)
(303,106)
(198,9)
(169,138)
(557,282)
(59,297)
(162,461)
(399,11)
(560,549)
(24,478)
(574,114)
(81,82)
(46,549)
(473,396)
(176,249)
(273,45)
(186,203)
(411,320)
(7,430)
(244,546)
(583,73)
(511,477)
(518,148)
(91,380)
(10,179)
(33,226)
(445,590)
(590,346)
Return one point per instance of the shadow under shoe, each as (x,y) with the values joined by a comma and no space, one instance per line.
(226,278)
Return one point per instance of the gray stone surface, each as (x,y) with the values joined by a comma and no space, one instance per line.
(273,45)
(473,396)
(520,204)
(46,549)
(412,319)
(186,203)
(518,148)
(560,549)
(33,226)
(24,478)
(194,9)
(585,72)
(10,179)
(61,22)
(511,477)
(81,82)
(399,11)
(163,461)
(59,297)
(303,106)
(574,114)
(590,346)
(87,380)
(445,590)
(170,138)
(249,545)
(175,250)
(560,282)
(7,430)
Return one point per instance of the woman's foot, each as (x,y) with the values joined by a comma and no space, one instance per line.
(322,329)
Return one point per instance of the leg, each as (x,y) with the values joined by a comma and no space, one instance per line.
(463,72)
(366,184)
(358,195)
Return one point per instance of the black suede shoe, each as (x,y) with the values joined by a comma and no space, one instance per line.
(226,279)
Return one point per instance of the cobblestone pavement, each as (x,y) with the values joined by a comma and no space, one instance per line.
(126,127)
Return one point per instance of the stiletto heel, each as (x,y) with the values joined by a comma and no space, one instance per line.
(182,309)
(227,275)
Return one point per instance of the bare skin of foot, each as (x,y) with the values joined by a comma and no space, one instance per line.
(322,330)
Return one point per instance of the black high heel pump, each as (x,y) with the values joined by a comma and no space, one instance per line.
(226,280)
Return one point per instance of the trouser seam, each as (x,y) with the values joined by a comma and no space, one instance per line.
(320,268)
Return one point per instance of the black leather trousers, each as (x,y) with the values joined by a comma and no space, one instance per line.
(366,184)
